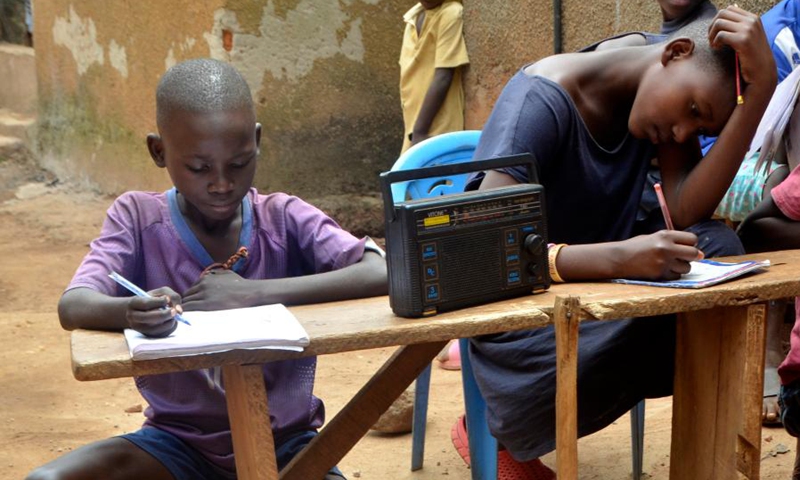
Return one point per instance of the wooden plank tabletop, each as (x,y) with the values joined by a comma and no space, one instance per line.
(369,323)
(609,301)
(332,328)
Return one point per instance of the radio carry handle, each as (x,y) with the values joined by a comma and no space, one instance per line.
(395,176)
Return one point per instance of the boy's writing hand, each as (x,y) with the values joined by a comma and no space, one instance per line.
(743,31)
(218,290)
(154,316)
(662,255)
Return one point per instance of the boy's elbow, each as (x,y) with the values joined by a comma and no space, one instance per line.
(66,312)
(73,307)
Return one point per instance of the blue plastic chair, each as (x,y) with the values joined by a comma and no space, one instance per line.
(448,148)
(455,147)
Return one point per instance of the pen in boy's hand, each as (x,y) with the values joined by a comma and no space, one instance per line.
(664,209)
(128,285)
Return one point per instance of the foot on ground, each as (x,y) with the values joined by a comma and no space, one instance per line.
(450,357)
(510,469)
(507,467)
(771,413)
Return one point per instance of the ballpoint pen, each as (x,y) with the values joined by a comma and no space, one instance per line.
(131,287)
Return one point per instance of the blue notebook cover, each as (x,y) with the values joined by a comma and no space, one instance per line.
(704,273)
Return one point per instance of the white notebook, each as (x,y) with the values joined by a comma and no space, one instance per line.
(266,326)
(704,273)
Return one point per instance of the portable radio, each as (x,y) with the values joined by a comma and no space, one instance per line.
(453,251)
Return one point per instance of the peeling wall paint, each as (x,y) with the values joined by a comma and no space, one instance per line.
(184,46)
(79,36)
(323,75)
(288,47)
(118,58)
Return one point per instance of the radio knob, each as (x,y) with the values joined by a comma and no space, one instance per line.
(533,269)
(534,244)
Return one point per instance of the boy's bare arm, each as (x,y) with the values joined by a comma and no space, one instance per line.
(766,229)
(87,308)
(90,309)
(434,98)
(693,189)
(225,289)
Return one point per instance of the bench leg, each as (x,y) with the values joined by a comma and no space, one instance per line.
(716,409)
(566,317)
(253,444)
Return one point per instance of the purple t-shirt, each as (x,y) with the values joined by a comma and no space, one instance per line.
(146,239)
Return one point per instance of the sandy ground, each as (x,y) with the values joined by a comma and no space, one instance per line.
(46,412)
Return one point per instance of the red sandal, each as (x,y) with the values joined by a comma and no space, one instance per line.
(507,467)
(458,434)
(510,469)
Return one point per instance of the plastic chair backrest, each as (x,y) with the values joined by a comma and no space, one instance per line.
(453,147)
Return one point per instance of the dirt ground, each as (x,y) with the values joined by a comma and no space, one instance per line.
(44,232)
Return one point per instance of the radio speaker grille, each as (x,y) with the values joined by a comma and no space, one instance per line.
(471,265)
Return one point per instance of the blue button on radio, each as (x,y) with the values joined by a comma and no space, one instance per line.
(432,292)
(429,251)
(431,272)
(511,238)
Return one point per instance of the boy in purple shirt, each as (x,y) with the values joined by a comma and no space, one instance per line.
(185,247)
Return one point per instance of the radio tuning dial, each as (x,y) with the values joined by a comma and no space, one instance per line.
(534,244)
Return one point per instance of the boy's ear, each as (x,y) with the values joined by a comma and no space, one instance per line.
(676,49)
(156,148)
(258,135)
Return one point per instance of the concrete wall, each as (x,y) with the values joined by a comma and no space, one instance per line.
(323,74)
(17,71)
(502,36)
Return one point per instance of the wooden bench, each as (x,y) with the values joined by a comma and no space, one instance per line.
(718,384)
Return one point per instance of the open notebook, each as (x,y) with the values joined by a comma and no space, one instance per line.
(704,273)
(266,326)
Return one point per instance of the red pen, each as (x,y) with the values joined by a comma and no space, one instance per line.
(739,96)
(664,209)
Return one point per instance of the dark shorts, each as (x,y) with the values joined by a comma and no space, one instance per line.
(184,463)
(619,364)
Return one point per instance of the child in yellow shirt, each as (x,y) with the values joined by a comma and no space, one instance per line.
(433,51)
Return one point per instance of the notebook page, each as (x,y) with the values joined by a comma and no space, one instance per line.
(222,330)
(704,273)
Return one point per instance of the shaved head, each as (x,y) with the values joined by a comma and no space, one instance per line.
(201,85)
(720,61)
